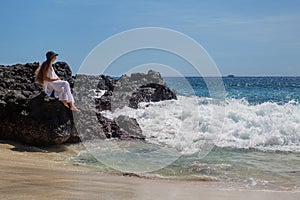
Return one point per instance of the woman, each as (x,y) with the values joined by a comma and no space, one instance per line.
(46,76)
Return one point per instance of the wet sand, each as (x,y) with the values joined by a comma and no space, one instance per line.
(31,173)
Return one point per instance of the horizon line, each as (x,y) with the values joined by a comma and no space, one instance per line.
(195,76)
(222,75)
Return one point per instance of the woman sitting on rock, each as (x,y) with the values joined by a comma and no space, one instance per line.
(46,76)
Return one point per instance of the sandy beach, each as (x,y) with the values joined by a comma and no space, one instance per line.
(31,173)
(150,100)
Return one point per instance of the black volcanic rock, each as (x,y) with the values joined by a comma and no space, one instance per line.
(130,126)
(26,113)
(151,92)
(52,122)
(106,83)
(125,91)
(104,102)
(122,127)
(131,90)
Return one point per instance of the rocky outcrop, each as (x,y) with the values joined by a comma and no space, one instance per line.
(125,91)
(27,114)
(131,90)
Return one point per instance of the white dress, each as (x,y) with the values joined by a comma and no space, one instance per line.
(61,88)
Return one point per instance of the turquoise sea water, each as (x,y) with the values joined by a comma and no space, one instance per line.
(250,139)
(254,89)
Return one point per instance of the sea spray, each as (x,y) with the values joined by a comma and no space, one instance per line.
(265,126)
(186,123)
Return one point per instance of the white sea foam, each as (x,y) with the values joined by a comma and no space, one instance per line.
(266,126)
(192,124)
(187,124)
(96,93)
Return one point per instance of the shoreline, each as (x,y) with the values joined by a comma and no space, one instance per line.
(31,173)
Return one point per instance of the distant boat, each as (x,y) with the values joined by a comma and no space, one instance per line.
(230,76)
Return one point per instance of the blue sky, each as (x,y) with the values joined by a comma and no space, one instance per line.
(243,37)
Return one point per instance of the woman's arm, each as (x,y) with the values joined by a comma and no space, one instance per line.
(51,79)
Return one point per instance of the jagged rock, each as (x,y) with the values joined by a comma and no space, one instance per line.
(130,126)
(87,126)
(106,83)
(151,92)
(131,90)
(122,127)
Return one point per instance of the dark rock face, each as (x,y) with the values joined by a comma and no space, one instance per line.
(51,119)
(26,113)
(18,78)
(151,92)
(104,103)
(122,127)
(130,127)
(106,83)
(131,90)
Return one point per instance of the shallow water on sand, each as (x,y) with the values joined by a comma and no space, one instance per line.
(34,173)
(222,168)
(231,168)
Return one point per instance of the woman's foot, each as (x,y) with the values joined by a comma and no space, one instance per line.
(66,104)
(74,109)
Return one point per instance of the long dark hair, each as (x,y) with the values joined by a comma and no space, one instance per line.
(40,72)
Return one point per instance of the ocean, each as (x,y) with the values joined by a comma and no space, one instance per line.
(248,139)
